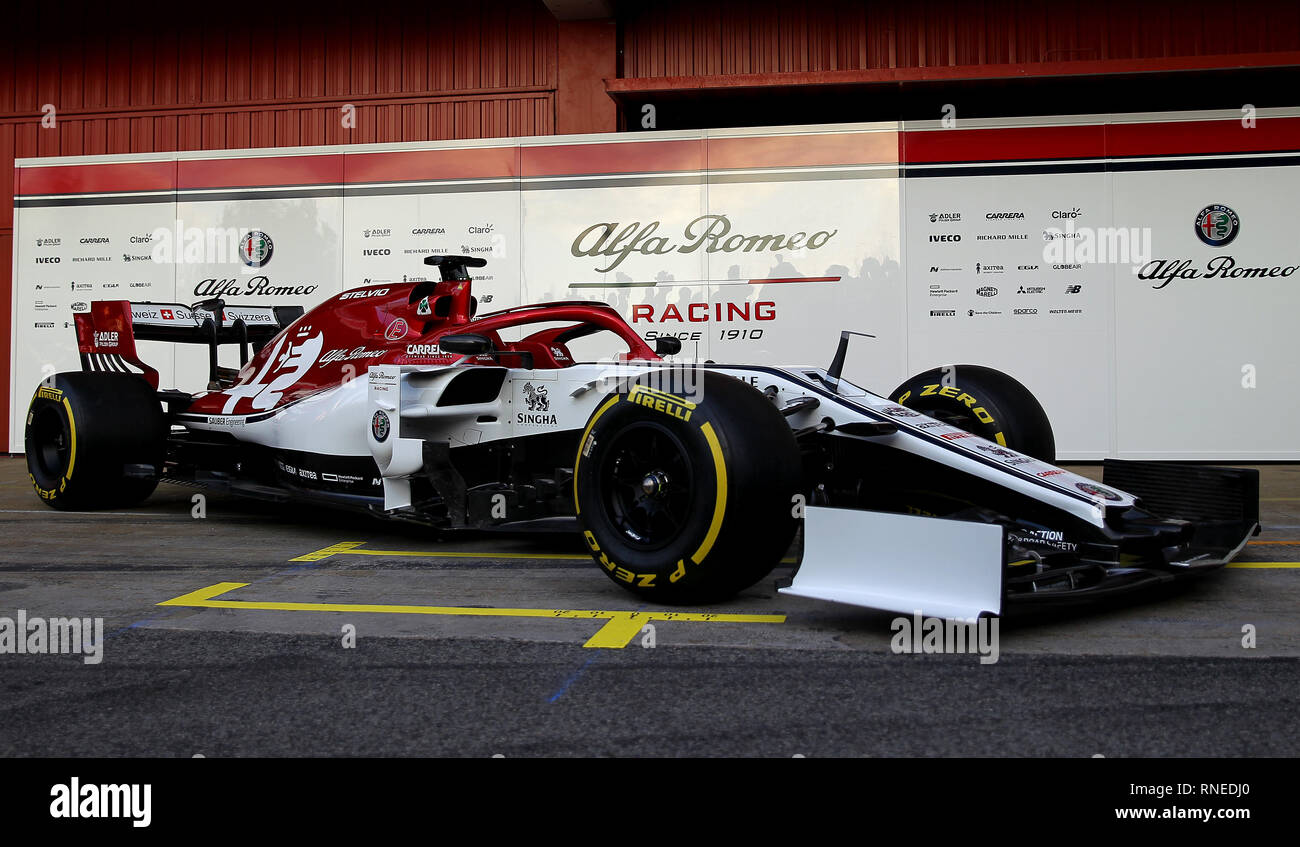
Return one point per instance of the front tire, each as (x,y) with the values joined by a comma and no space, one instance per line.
(94,440)
(984,402)
(685,486)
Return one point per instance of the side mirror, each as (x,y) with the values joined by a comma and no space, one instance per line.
(666,345)
(466,344)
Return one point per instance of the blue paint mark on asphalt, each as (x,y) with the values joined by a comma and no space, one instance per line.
(570,681)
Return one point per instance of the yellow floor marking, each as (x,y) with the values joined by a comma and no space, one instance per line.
(1278,499)
(1252,543)
(619,629)
(1264,565)
(353,548)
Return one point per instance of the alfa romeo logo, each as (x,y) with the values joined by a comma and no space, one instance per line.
(1217,225)
(380,426)
(255,249)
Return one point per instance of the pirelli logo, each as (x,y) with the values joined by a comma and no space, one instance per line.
(661,401)
(49,393)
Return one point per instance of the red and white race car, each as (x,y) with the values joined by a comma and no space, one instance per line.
(688,481)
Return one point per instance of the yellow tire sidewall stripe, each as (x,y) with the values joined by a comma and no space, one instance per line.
(720,502)
(72,429)
(582,443)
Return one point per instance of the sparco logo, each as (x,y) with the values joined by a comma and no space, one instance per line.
(47,260)
(1005,216)
(945,238)
(942,313)
(710,233)
(1062,214)
(1024,311)
(1217,225)
(255,249)
(383,252)
(986,291)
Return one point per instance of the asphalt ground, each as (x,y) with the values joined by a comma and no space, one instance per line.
(501,644)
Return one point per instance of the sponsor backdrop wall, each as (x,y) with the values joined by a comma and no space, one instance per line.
(1134,271)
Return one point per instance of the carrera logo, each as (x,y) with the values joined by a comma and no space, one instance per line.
(429,230)
(1005,216)
(99,240)
(661,401)
(423,350)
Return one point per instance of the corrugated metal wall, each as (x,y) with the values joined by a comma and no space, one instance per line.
(127,78)
(685,38)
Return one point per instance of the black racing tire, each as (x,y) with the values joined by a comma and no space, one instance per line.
(984,402)
(685,485)
(83,432)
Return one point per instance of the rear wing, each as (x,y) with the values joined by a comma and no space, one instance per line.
(108,329)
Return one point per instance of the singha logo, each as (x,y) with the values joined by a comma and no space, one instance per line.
(536,398)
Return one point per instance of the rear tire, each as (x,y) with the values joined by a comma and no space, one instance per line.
(984,402)
(687,496)
(85,430)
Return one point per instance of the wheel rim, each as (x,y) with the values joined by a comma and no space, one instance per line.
(646,485)
(51,443)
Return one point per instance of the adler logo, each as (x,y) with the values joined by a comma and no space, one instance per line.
(105,339)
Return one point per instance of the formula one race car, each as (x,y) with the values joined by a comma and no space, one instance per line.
(689,482)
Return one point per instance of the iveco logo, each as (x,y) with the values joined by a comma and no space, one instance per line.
(47,260)
(945,238)
(383,252)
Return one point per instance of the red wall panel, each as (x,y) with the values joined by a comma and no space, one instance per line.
(686,38)
(178,78)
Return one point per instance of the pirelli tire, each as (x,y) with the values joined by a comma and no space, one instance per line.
(687,495)
(985,402)
(94,440)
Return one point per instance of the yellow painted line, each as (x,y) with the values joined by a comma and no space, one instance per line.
(1253,543)
(1278,499)
(1264,565)
(619,629)
(353,548)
